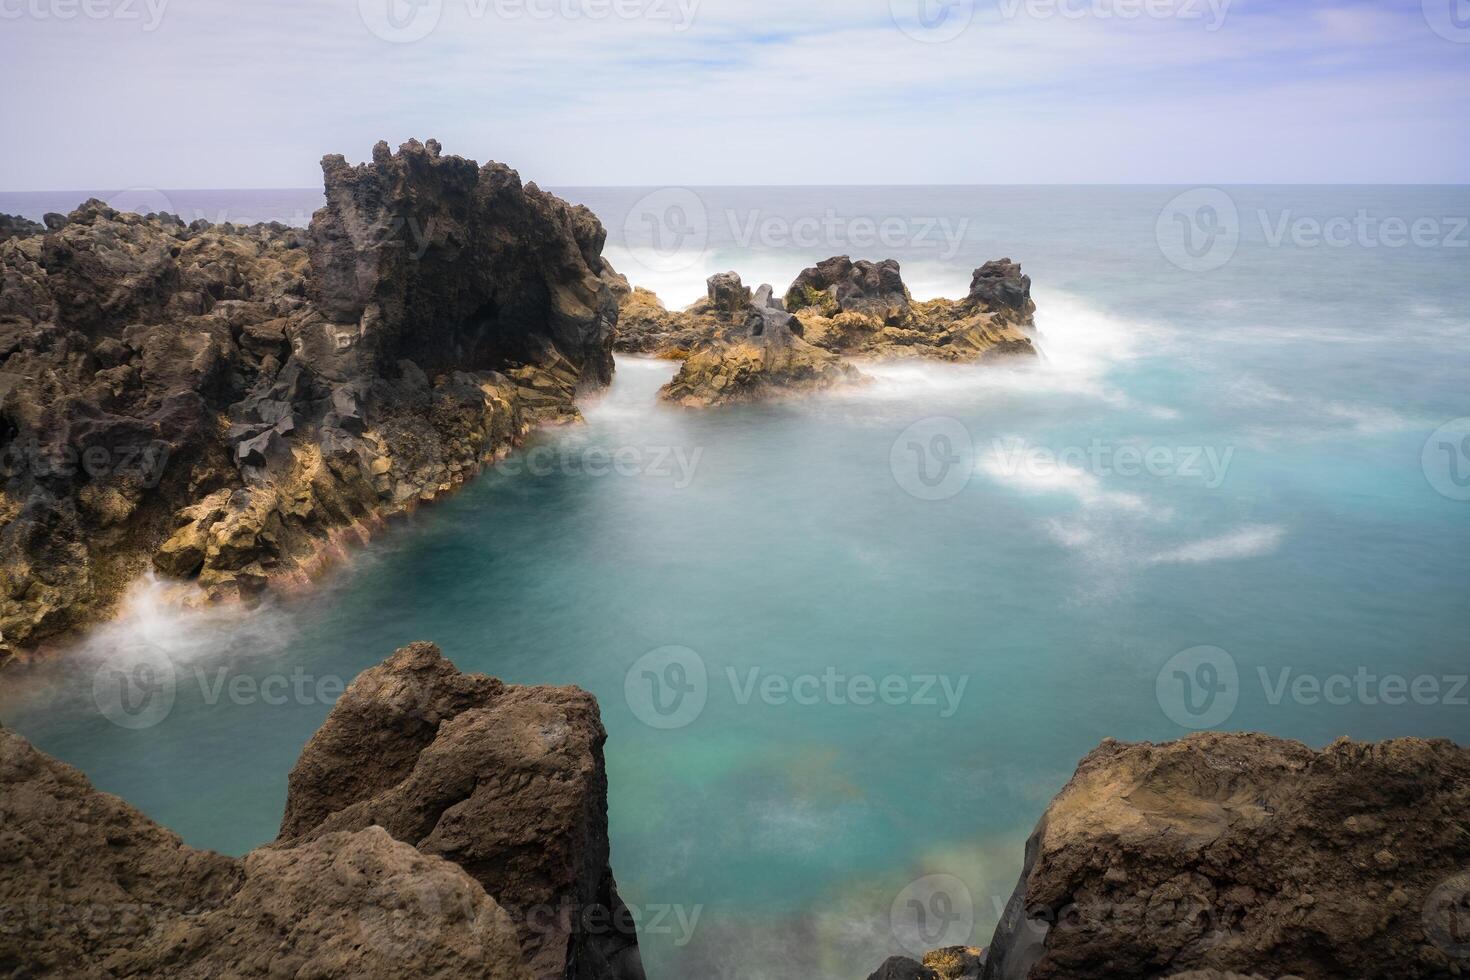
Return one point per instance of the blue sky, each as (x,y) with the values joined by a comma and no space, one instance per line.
(251,93)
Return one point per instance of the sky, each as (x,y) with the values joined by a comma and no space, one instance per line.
(251,93)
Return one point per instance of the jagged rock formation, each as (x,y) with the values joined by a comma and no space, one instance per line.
(839,285)
(646,327)
(768,357)
(1245,854)
(15,226)
(224,403)
(859,309)
(501,788)
(508,783)
(1000,286)
(864,309)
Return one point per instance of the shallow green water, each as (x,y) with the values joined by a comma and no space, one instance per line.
(1289,521)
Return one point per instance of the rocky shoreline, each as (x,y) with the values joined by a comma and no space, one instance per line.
(236,407)
(232,406)
(445,825)
(229,405)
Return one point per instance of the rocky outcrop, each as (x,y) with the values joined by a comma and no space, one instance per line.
(507,783)
(841,308)
(225,404)
(15,226)
(1000,286)
(439,826)
(768,358)
(857,309)
(646,327)
(1222,854)
(864,309)
(427,257)
(839,285)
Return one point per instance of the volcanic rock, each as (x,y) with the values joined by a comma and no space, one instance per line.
(768,358)
(307,383)
(1247,854)
(502,789)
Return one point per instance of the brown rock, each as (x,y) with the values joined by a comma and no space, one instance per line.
(508,783)
(497,786)
(91,888)
(1243,853)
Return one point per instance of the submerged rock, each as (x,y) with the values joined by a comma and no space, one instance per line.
(439,826)
(305,383)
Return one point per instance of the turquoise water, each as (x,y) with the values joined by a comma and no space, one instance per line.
(1291,523)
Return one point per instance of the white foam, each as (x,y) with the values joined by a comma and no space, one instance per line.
(172,619)
(1315,418)
(1008,462)
(1250,541)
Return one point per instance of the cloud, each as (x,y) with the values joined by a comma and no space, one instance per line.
(224,93)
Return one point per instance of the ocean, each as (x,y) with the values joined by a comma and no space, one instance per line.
(848,647)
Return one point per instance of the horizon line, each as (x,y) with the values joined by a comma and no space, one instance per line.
(674,184)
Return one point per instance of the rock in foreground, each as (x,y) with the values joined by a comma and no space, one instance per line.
(223,403)
(440,826)
(507,783)
(1248,854)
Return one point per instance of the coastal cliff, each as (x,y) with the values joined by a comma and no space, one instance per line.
(1225,855)
(225,403)
(439,825)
